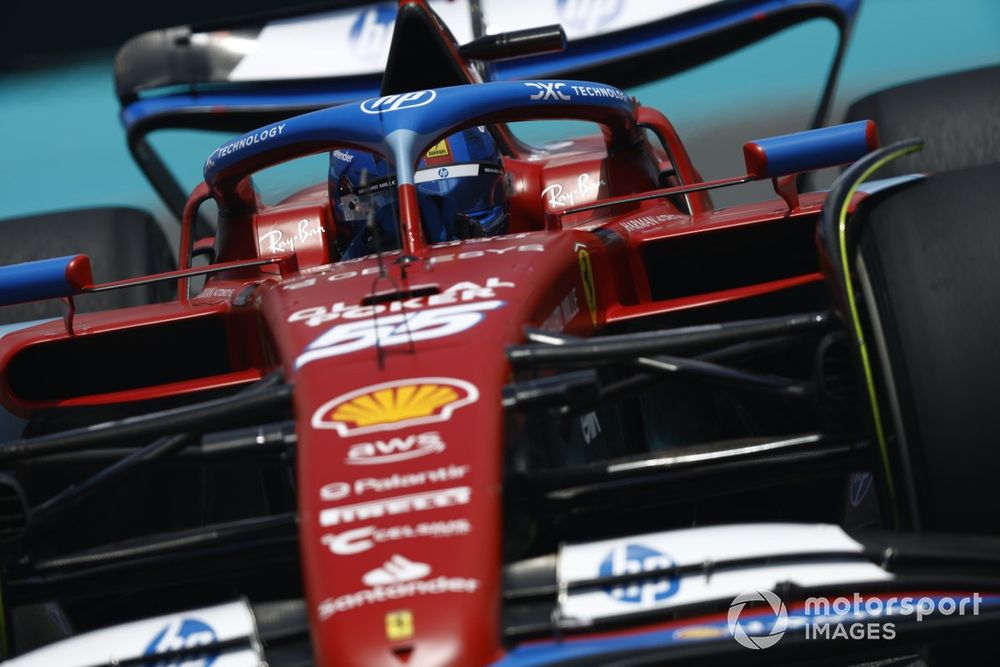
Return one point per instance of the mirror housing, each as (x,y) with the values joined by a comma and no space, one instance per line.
(789,154)
(44,279)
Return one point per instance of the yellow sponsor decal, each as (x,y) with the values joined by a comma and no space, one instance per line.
(440,149)
(587,276)
(393,405)
(399,625)
(700,632)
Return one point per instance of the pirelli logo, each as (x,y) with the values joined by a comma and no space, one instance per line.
(415,502)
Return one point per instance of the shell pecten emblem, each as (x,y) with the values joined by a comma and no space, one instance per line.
(393,405)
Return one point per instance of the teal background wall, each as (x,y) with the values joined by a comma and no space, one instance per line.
(61,144)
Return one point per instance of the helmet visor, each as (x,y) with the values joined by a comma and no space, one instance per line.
(357,203)
(470,188)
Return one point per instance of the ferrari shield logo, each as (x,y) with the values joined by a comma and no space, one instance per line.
(587,276)
(399,625)
(393,405)
(440,149)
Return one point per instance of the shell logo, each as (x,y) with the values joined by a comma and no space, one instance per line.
(393,405)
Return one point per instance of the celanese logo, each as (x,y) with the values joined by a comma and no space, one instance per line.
(358,540)
(754,634)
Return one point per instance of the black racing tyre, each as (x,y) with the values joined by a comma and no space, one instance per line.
(929,278)
(121,243)
(957,116)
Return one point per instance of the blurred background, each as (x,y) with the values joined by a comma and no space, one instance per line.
(62,144)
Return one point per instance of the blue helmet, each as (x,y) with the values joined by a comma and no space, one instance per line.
(461,189)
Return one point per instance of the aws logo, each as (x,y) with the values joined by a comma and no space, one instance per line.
(392,450)
(394,405)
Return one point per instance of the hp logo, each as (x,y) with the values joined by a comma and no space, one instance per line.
(183,633)
(635,559)
(389,103)
(371,31)
(588,16)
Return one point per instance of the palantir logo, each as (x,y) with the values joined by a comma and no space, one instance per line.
(754,634)
(371,31)
(180,634)
(636,559)
(388,103)
(588,16)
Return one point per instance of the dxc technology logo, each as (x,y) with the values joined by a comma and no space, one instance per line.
(635,559)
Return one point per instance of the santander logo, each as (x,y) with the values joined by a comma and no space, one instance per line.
(396,570)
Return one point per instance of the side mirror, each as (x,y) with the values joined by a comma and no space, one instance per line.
(789,154)
(44,279)
(204,247)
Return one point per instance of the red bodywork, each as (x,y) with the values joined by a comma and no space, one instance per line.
(404,440)
(454,484)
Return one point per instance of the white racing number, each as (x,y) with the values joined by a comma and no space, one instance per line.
(395,330)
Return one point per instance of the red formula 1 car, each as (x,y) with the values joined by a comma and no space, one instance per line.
(466,401)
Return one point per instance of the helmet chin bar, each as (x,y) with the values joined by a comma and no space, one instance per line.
(467,227)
